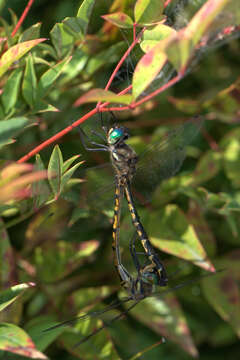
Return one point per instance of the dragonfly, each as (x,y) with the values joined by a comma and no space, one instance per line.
(159,161)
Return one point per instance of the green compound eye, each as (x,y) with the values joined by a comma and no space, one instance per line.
(115,135)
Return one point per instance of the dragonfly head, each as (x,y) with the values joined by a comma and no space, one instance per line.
(117,134)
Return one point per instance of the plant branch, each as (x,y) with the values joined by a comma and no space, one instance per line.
(22,18)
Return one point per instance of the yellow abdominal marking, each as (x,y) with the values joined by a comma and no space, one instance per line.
(139,233)
(115,222)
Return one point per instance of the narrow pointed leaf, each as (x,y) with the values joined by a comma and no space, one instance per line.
(8,296)
(40,189)
(29,85)
(8,264)
(11,90)
(68,163)
(55,170)
(68,174)
(15,53)
(50,76)
(9,128)
(31,33)
(62,40)
(84,14)
(96,95)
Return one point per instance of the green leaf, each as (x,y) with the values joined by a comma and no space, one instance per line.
(68,174)
(119,19)
(8,296)
(55,170)
(165,316)
(15,340)
(42,339)
(96,95)
(148,11)
(40,189)
(84,14)
(62,40)
(231,155)
(29,85)
(208,167)
(112,54)
(68,163)
(100,345)
(42,106)
(203,230)
(15,53)
(222,292)
(147,69)
(31,33)
(11,90)
(49,77)
(171,232)
(75,66)
(9,128)
(8,265)
(153,36)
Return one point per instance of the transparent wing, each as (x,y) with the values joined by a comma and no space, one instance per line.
(164,157)
(98,190)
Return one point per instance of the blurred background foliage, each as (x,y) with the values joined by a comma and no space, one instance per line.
(49,236)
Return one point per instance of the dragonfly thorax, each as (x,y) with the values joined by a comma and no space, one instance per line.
(123,159)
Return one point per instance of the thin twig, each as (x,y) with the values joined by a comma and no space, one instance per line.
(23,16)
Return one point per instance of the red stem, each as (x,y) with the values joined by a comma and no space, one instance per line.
(123,59)
(22,18)
(146,98)
(69,128)
(167,2)
(134,31)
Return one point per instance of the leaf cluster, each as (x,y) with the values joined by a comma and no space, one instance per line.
(55,245)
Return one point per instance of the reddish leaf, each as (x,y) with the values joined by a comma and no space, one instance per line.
(119,19)
(148,68)
(15,53)
(96,95)
(15,340)
(166,318)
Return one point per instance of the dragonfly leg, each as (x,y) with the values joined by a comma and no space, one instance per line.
(84,136)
